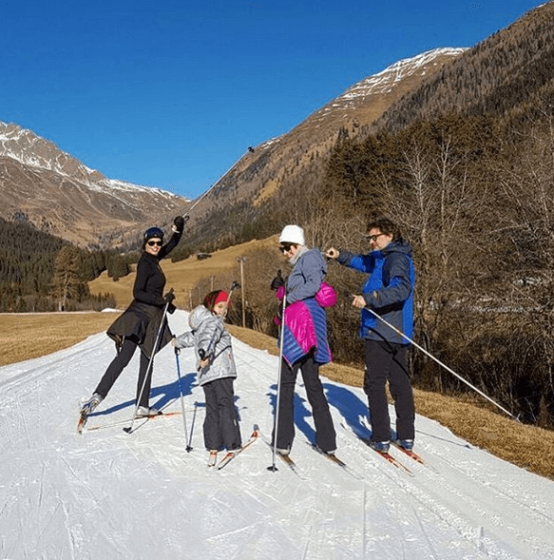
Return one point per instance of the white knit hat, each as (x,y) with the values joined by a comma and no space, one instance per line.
(292,234)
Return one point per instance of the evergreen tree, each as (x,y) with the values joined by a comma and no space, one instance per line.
(66,282)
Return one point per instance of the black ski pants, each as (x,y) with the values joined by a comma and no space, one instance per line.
(386,361)
(118,364)
(221,425)
(324,429)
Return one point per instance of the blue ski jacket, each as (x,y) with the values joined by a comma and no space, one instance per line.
(389,291)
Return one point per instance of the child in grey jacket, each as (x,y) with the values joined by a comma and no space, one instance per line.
(216,372)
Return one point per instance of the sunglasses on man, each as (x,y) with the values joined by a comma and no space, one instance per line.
(285,247)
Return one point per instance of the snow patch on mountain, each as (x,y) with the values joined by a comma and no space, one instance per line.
(385,81)
(31,150)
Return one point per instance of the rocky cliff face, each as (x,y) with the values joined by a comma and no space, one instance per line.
(58,194)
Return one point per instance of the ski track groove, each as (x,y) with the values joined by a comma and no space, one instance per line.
(307,545)
(477,477)
(501,501)
(364,521)
(425,534)
(454,519)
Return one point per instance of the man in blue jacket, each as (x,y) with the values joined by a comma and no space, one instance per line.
(389,292)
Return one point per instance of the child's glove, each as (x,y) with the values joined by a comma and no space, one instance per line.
(204,361)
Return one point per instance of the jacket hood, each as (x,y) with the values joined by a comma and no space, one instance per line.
(198,315)
(397,247)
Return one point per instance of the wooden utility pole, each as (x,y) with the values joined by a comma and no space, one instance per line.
(241,261)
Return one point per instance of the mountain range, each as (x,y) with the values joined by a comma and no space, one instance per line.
(510,73)
(58,194)
(296,160)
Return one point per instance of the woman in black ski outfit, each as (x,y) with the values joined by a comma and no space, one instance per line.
(140,323)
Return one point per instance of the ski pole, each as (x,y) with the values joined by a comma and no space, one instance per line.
(273,466)
(216,183)
(233,287)
(192,425)
(149,367)
(189,448)
(441,364)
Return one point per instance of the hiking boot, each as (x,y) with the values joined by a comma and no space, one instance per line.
(88,406)
(407,444)
(381,446)
(146,412)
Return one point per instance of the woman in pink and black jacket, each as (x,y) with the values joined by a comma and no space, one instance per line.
(305,345)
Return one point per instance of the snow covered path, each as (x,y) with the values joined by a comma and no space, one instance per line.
(109,494)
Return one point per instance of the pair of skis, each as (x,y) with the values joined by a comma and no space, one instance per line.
(230,455)
(80,427)
(340,463)
(394,461)
(287,459)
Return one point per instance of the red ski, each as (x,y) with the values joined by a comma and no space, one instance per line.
(230,455)
(410,453)
(390,459)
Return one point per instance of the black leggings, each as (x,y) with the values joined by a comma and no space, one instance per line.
(124,355)
(324,429)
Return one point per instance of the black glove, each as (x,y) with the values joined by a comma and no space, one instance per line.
(201,353)
(171,308)
(169,297)
(277,282)
(179,223)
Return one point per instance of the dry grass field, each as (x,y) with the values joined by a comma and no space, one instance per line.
(29,336)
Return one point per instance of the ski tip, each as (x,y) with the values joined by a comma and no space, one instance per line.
(80,427)
(128,430)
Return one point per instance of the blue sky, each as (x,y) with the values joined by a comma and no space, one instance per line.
(171,93)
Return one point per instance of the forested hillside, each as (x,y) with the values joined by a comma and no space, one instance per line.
(41,272)
(26,262)
(510,73)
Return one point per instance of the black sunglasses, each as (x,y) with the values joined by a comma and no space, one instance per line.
(285,247)
(152,243)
